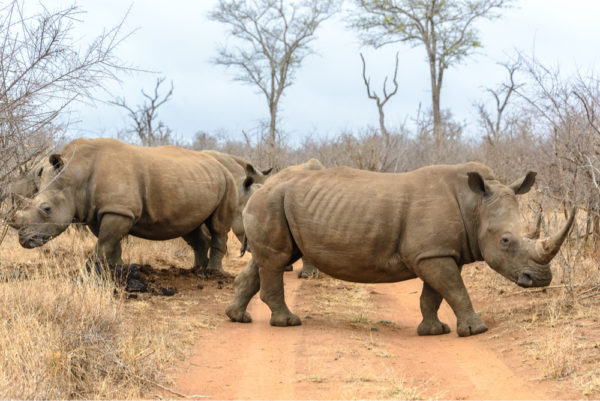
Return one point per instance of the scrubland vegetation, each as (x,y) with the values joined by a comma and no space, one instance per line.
(66,335)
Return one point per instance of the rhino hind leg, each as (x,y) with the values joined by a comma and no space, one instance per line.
(246,284)
(443,275)
(199,240)
(430,303)
(219,224)
(271,293)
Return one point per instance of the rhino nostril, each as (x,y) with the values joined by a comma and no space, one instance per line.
(525,280)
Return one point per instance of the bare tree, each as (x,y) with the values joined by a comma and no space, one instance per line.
(495,125)
(144,124)
(272,40)
(444,27)
(43,70)
(380,104)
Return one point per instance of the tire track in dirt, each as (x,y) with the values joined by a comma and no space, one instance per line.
(329,357)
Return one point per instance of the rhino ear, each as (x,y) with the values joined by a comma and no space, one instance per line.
(523,184)
(267,171)
(250,169)
(56,161)
(477,184)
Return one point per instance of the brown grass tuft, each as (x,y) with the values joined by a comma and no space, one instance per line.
(66,335)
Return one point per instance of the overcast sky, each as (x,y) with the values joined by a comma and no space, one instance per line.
(177,40)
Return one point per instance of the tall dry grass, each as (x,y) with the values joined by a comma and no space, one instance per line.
(66,335)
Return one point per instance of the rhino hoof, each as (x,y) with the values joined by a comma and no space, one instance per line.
(471,327)
(237,315)
(433,329)
(282,320)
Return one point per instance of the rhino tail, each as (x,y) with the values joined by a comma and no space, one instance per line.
(244,245)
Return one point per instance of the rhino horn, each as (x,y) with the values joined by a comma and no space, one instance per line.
(547,248)
(534,231)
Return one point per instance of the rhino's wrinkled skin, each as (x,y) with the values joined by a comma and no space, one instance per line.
(308,269)
(155,193)
(377,227)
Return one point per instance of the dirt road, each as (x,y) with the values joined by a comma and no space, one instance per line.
(344,351)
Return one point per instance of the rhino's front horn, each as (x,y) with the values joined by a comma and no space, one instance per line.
(546,249)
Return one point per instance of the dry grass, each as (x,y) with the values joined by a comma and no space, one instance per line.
(66,335)
(390,385)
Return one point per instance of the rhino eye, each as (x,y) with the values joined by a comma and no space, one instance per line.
(46,209)
(505,240)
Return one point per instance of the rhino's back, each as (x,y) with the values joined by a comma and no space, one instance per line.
(167,190)
(366,226)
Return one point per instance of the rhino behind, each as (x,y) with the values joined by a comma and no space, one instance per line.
(374,227)
(155,193)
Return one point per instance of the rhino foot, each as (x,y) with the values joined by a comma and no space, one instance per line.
(285,319)
(427,328)
(237,315)
(471,326)
(211,273)
(309,274)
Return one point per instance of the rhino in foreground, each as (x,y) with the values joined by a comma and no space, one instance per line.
(376,227)
(116,189)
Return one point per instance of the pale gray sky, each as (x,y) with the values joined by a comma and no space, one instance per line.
(178,41)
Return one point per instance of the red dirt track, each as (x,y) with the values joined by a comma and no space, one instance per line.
(378,355)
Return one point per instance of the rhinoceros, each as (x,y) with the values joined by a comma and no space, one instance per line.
(377,227)
(155,193)
(28,185)
(240,169)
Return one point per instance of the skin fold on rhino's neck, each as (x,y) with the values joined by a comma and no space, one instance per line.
(76,184)
(470,217)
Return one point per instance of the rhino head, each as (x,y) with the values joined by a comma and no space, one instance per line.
(504,242)
(28,183)
(50,212)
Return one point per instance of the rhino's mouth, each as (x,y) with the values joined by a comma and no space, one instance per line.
(534,278)
(32,241)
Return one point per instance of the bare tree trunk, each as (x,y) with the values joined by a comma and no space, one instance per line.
(273,136)
(436,81)
(437,118)
(384,131)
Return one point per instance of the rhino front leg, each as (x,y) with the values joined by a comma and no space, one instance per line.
(271,293)
(443,276)
(219,225)
(430,303)
(113,228)
(247,284)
